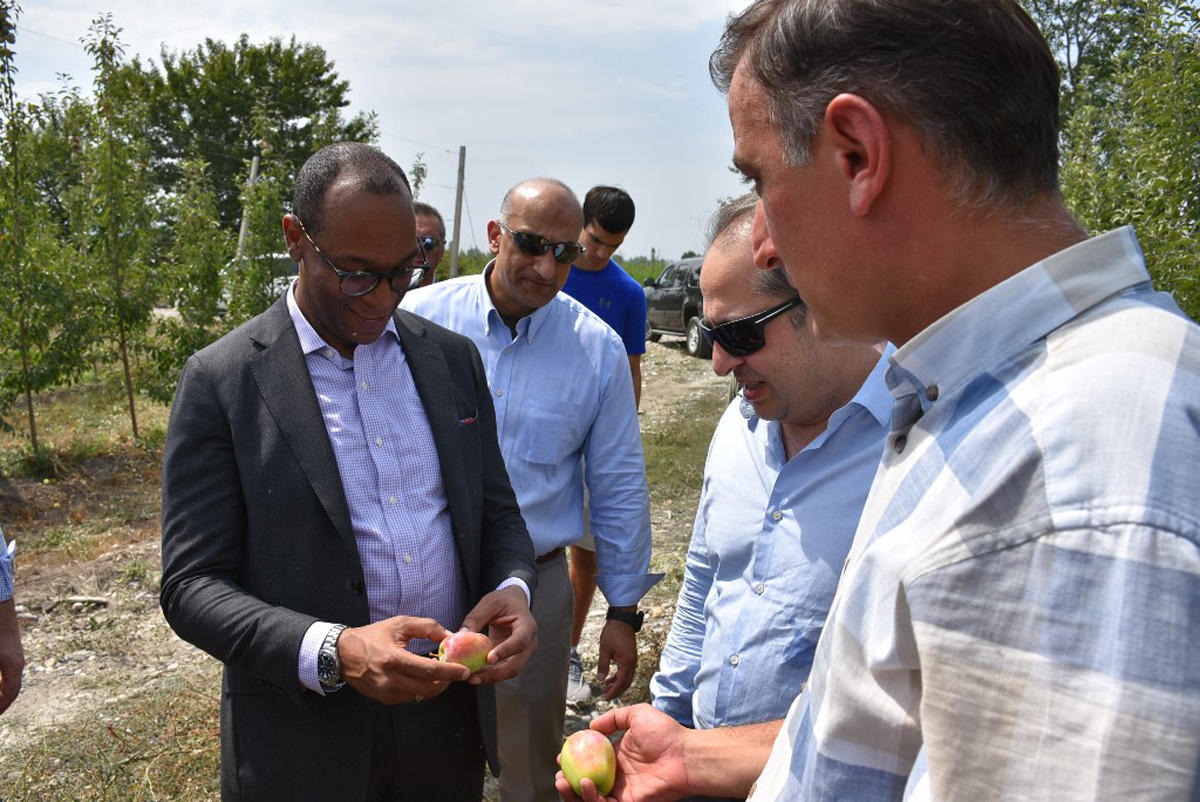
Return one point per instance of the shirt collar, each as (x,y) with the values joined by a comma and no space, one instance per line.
(1007,318)
(529,326)
(310,341)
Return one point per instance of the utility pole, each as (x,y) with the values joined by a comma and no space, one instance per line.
(462,170)
(241,243)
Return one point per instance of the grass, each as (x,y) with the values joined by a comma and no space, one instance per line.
(159,739)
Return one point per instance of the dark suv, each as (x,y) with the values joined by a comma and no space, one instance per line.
(674,305)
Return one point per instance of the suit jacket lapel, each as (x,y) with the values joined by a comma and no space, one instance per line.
(286,388)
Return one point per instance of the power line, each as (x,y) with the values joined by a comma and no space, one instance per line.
(419,142)
(23,29)
(470,222)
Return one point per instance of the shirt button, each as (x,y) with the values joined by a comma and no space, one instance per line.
(499,393)
(777,515)
(407,558)
(734,660)
(364,386)
(379,441)
(392,500)
(900,443)
(760,588)
(931,392)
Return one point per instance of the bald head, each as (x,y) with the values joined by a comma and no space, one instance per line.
(539,192)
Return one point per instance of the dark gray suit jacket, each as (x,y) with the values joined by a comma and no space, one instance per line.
(257,541)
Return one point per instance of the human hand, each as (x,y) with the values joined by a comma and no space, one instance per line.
(506,615)
(376,663)
(12,657)
(650,757)
(618,643)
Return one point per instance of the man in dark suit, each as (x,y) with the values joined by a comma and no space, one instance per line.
(334,500)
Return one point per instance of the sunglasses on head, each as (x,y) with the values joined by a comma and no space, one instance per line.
(745,335)
(537,245)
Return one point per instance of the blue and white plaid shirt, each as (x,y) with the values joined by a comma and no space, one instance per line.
(1019,617)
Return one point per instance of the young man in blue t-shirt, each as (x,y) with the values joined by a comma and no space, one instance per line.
(603,286)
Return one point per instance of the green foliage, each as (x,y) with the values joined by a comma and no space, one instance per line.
(1131,126)
(470,261)
(213,101)
(642,267)
(416,175)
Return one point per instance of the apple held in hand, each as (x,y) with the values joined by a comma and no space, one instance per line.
(468,649)
(590,754)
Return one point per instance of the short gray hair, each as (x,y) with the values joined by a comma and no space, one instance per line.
(974,78)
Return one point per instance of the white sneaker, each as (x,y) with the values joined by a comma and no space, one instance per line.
(578,690)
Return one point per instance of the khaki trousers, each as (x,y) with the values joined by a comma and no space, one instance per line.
(532,705)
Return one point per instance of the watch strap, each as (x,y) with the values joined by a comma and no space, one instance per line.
(329,666)
(633,619)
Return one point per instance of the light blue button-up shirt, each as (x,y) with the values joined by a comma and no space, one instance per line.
(6,568)
(767,549)
(392,479)
(562,391)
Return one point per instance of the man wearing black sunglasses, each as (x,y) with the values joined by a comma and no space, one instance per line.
(334,500)
(431,235)
(788,470)
(560,384)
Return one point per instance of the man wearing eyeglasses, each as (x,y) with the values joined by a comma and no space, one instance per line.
(560,385)
(334,502)
(431,234)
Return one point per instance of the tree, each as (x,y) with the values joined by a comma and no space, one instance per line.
(416,176)
(211,101)
(1131,125)
(39,317)
(111,217)
(194,269)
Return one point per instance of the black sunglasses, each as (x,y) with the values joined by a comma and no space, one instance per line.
(537,245)
(429,242)
(357,283)
(745,335)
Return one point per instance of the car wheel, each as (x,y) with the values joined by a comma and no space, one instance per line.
(696,344)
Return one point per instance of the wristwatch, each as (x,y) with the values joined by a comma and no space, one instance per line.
(329,667)
(633,619)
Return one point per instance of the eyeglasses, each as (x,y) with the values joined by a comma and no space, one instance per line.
(745,335)
(429,242)
(537,245)
(356,283)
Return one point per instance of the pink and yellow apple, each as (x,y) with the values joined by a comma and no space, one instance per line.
(468,649)
(590,754)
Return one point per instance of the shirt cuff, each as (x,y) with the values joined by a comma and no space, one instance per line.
(7,571)
(309,647)
(512,580)
(625,590)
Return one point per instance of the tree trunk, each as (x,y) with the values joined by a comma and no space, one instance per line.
(128,381)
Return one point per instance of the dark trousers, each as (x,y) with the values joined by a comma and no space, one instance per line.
(428,750)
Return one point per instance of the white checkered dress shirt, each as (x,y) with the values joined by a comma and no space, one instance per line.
(1019,617)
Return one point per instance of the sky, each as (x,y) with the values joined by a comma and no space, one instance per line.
(589,92)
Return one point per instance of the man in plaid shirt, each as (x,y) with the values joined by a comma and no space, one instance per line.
(1018,616)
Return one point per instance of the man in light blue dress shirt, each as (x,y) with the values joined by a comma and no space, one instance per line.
(787,473)
(12,657)
(560,384)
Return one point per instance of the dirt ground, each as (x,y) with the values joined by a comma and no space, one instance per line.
(91,626)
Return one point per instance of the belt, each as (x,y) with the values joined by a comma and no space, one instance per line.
(550,555)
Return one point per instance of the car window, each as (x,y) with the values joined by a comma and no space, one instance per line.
(667,277)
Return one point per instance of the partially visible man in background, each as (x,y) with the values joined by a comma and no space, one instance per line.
(431,235)
(603,286)
(787,473)
(12,656)
(566,418)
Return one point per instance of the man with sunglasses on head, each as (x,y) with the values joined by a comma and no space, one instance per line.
(334,504)
(603,286)
(560,385)
(431,234)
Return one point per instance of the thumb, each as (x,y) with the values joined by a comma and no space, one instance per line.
(602,663)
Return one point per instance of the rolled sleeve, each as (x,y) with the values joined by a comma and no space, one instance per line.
(619,505)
